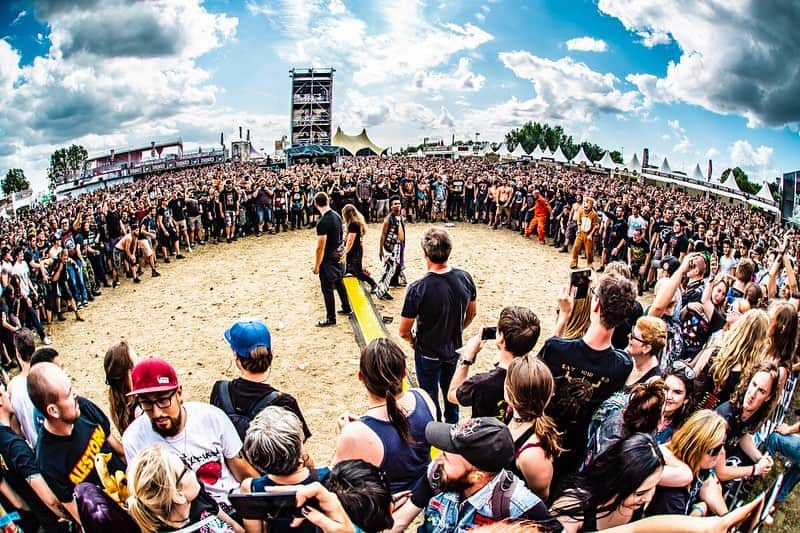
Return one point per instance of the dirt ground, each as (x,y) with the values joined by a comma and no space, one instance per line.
(182,315)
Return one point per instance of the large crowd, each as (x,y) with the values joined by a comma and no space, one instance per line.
(629,417)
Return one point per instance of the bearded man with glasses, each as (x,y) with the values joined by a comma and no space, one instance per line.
(199,433)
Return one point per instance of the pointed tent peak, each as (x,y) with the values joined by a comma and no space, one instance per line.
(519,151)
(581,157)
(548,152)
(665,167)
(559,156)
(606,161)
(697,173)
(354,143)
(537,152)
(765,194)
(634,164)
(503,149)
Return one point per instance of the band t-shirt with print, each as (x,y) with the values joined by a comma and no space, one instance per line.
(66,461)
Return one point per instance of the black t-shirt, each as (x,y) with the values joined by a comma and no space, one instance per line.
(619,339)
(113,223)
(67,461)
(484,392)
(357,250)
(330,225)
(192,208)
(201,507)
(736,430)
(584,378)
(229,198)
(245,392)
(439,303)
(18,465)
(639,251)
(177,206)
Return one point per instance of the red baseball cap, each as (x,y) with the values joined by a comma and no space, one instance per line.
(153,375)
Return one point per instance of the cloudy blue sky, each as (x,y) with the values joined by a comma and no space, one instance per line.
(688,79)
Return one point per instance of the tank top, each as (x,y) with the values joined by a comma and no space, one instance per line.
(392,233)
(520,445)
(404,463)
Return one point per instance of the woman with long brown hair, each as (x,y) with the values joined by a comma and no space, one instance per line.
(118,363)
(528,389)
(391,433)
(354,249)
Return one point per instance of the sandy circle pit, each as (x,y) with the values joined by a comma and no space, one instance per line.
(182,315)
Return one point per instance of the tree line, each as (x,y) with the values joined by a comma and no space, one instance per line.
(547,137)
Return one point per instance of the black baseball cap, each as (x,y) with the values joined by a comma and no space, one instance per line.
(485,442)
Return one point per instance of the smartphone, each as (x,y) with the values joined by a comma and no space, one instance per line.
(769,501)
(489,333)
(266,505)
(580,280)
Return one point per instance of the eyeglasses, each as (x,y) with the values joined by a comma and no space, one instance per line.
(715,451)
(162,403)
(631,336)
(686,370)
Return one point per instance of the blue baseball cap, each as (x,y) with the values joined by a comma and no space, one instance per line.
(246,335)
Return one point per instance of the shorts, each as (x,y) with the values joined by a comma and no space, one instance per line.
(117,258)
(194,223)
(503,210)
(181,224)
(439,207)
(145,247)
(407,202)
(230,218)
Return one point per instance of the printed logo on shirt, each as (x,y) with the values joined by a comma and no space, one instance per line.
(85,464)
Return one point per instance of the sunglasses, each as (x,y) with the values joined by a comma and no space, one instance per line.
(715,451)
(686,370)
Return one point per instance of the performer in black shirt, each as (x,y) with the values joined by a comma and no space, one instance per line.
(328,259)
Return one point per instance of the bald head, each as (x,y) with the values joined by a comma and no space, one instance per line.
(46,384)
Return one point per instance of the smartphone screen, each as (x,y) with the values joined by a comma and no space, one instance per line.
(580,280)
(489,333)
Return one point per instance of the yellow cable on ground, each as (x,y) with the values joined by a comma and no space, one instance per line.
(367,323)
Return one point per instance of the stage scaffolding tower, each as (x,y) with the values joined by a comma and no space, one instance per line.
(312,106)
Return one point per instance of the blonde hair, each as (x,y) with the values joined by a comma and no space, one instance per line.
(151,479)
(654,332)
(742,345)
(699,434)
(578,321)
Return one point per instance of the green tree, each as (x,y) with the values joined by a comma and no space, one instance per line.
(66,161)
(548,137)
(15,181)
(742,180)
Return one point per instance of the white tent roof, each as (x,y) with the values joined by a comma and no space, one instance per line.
(634,163)
(581,158)
(519,151)
(607,162)
(537,153)
(697,173)
(765,193)
(419,153)
(548,153)
(503,150)
(665,167)
(559,156)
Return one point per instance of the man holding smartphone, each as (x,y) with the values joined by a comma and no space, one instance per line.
(515,335)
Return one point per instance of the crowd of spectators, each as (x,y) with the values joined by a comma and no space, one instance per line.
(627,412)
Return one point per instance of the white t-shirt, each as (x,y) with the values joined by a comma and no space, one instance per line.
(23,407)
(208,438)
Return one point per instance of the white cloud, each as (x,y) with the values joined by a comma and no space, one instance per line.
(480,16)
(683,145)
(712,153)
(409,43)
(462,79)
(19,17)
(361,110)
(567,92)
(733,55)
(587,44)
(336,7)
(756,161)
(112,85)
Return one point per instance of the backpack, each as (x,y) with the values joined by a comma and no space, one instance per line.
(240,417)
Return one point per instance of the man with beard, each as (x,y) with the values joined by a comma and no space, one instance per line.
(468,484)
(392,243)
(75,431)
(201,434)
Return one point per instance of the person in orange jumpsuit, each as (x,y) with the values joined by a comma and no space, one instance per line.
(588,222)
(541,212)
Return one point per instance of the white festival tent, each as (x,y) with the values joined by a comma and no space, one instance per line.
(537,153)
(547,153)
(765,194)
(607,162)
(519,151)
(581,158)
(634,164)
(559,156)
(697,173)
(503,151)
(664,168)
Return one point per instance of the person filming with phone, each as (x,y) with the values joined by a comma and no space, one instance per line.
(515,335)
